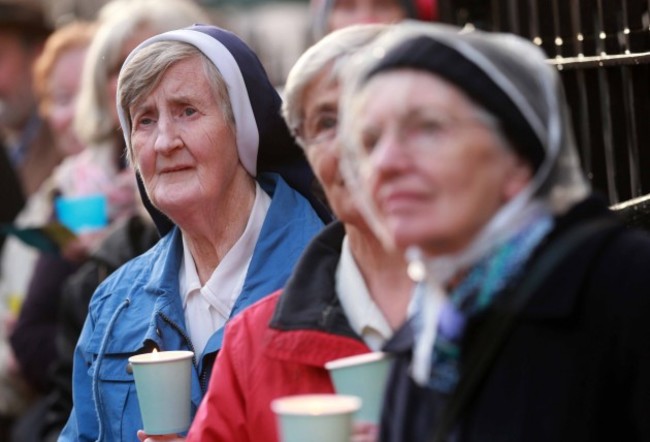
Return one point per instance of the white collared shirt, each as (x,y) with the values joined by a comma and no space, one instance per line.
(208,308)
(363,314)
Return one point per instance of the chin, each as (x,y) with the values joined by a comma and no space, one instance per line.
(411,235)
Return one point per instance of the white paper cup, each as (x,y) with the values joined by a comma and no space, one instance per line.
(163,381)
(315,417)
(364,376)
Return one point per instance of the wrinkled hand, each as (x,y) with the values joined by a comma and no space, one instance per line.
(144,437)
(365,432)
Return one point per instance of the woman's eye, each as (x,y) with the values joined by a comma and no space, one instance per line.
(429,125)
(189,111)
(326,122)
(321,127)
(369,141)
(144,121)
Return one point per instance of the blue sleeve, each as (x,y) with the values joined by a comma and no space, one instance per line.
(82,424)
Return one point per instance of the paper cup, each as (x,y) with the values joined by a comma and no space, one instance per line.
(315,417)
(82,213)
(163,382)
(364,376)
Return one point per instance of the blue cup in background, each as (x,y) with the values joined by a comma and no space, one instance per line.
(82,213)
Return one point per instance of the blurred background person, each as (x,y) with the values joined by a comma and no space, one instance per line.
(222,179)
(28,155)
(56,81)
(533,300)
(345,297)
(330,15)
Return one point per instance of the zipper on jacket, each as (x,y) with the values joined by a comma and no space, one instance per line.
(203,376)
(327,312)
(181,332)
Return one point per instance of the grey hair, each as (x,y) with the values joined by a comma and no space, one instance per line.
(146,68)
(334,49)
(119,20)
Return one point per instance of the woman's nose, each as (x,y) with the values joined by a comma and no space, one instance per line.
(389,155)
(167,135)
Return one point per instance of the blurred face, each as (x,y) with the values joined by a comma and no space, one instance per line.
(63,88)
(320,103)
(111,86)
(433,163)
(182,145)
(349,12)
(16,97)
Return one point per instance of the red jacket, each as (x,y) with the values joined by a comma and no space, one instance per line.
(277,347)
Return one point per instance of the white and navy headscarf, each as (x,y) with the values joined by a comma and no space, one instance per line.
(264,142)
(508,77)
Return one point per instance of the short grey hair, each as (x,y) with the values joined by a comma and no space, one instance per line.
(334,49)
(144,71)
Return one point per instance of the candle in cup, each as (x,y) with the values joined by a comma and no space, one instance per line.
(365,376)
(163,381)
(316,417)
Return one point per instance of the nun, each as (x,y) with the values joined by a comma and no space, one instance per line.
(229,192)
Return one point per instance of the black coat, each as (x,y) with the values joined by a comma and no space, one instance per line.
(11,193)
(576,365)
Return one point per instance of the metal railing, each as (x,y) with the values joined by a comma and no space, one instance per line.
(602,50)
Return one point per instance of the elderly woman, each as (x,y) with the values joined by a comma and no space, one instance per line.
(532,319)
(357,292)
(204,133)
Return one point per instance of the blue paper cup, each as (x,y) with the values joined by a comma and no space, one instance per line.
(162,382)
(365,376)
(82,213)
(315,417)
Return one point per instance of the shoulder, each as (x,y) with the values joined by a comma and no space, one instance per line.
(624,265)
(132,276)
(287,201)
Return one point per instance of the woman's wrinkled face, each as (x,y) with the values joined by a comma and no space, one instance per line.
(183,147)
(63,89)
(350,12)
(434,164)
(320,106)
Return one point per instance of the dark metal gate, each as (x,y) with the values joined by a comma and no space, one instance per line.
(602,50)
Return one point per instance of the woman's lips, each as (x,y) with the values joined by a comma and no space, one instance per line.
(172,169)
(400,200)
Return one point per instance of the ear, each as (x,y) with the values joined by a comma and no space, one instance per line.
(519,176)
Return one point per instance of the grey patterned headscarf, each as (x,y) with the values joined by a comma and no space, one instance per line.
(508,77)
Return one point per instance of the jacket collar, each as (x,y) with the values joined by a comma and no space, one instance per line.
(309,300)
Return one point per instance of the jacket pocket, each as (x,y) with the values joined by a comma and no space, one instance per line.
(119,412)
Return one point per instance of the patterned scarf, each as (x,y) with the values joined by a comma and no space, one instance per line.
(478,289)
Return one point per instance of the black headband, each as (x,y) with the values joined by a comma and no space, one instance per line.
(424,53)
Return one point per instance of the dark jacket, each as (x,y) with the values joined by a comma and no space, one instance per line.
(279,347)
(32,339)
(575,366)
(11,193)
